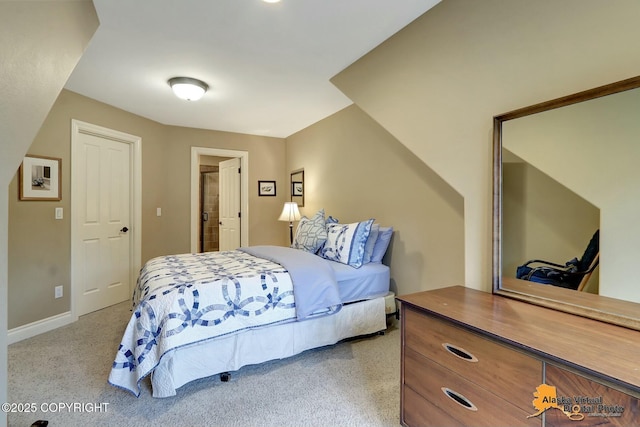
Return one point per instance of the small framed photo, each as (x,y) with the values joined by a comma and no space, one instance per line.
(40,178)
(297,188)
(266,188)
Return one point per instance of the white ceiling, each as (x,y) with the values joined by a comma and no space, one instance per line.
(268,65)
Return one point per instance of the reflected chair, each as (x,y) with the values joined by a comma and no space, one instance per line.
(573,274)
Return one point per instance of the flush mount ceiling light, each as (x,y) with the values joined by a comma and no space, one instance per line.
(188,88)
(271,1)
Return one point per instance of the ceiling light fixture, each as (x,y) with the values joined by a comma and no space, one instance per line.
(271,1)
(188,88)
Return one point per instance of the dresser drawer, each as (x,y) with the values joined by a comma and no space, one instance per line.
(505,372)
(447,399)
(418,412)
(599,404)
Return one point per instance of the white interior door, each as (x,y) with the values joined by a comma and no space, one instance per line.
(102,259)
(229,204)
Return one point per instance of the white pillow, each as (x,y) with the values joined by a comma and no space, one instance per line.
(346,242)
(311,233)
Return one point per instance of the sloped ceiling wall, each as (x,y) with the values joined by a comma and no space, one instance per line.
(437,84)
(41,42)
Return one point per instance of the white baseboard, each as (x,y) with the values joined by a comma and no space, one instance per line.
(39,327)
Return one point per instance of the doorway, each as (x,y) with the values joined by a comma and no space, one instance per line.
(198,158)
(209,206)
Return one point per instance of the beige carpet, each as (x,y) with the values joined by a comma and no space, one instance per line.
(353,383)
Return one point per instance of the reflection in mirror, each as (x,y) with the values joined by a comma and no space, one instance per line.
(297,187)
(544,220)
(563,170)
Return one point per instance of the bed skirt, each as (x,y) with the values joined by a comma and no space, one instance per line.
(230,353)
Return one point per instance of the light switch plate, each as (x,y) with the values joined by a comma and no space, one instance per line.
(59,213)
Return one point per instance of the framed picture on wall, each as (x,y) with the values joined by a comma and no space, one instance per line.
(266,188)
(297,188)
(40,178)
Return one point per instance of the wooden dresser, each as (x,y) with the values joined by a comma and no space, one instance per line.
(470,358)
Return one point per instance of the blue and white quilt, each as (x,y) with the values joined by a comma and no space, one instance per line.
(182,300)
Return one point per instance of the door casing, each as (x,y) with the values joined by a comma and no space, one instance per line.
(196,152)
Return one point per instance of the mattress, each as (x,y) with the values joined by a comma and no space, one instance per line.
(356,284)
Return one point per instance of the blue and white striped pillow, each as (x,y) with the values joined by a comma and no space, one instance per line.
(346,242)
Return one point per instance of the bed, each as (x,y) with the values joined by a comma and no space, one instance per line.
(198,315)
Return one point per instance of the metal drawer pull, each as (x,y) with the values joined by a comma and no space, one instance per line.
(459,399)
(459,352)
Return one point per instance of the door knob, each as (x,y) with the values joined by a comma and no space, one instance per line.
(124,229)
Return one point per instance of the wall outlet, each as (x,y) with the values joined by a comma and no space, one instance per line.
(58,291)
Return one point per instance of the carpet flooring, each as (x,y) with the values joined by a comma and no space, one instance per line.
(62,375)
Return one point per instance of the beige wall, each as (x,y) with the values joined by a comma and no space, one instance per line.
(437,84)
(40,246)
(356,170)
(31,34)
(266,162)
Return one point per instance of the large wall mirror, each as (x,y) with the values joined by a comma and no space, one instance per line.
(567,171)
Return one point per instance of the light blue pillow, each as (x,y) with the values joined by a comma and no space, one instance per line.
(311,233)
(371,242)
(332,220)
(346,242)
(382,243)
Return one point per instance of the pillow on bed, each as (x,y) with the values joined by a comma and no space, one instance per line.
(382,243)
(371,242)
(346,242)
(311,233)
(331,220)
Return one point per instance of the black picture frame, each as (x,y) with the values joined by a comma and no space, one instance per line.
(297,188)
(266,188)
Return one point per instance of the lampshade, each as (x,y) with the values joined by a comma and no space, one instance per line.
(290,212)
(188,88)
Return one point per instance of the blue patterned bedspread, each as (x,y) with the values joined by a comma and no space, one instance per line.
(185,299)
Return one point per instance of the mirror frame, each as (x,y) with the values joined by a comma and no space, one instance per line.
(610,310)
